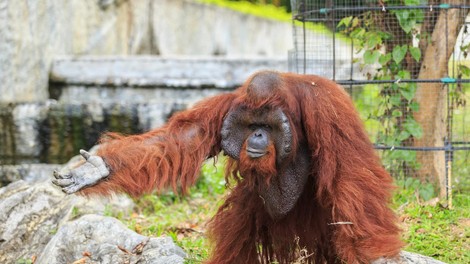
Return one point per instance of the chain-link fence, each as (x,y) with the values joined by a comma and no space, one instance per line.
(405,65)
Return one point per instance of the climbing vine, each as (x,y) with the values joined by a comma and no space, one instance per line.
(388,42)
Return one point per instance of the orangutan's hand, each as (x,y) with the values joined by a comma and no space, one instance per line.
(89,173)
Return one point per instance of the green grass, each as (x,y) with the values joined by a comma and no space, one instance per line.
(265,11)
(182,218)
(428,229)
(435,231)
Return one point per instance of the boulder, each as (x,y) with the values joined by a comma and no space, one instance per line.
(100,239)
(27,172)
(408,258)
(31,214)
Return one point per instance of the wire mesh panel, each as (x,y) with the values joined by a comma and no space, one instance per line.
(405,66)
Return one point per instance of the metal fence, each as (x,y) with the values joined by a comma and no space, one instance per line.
(406,68)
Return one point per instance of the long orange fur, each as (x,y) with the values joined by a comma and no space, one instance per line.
(341,217)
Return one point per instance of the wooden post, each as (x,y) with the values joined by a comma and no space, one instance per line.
(432,97)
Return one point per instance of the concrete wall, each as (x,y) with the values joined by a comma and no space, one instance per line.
(128,95)
(34,32)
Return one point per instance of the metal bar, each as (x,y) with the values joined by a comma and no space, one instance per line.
(442,80)
(384,8)
(444,148)
(334,46)
(305,43)
(461,143)
(448,154)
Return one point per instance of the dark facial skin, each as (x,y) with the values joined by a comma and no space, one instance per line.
(257,143)
(281,196)
(259,128)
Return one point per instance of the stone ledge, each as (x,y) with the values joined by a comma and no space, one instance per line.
(27,172)
(154,71)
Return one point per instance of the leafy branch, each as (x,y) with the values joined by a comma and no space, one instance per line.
(393,55)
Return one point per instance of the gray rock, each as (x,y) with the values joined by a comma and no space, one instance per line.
(37,220)
(106,240)
(408,258)
(27,172)
(30,215)
(19,131)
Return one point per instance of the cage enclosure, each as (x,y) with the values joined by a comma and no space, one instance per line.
(405,65)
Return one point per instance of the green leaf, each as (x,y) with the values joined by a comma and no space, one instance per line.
(409,91)
(413,128)
(408,94)
(408,19)
(397,113)
(464,70)
(385,58)
(412,2)
(371,57)
(373,39)
(358,33)
(345,22)
(414,106)
(385,77)
(399,52)
(426,192)
(402,155)
(409,182)
(404,74)
(389,141)
(464,47)
(394,67)
(404,20)
(395,100)
(403,135)
(355,22)
(418,15)
(408,156)
(415,53)
(384,35)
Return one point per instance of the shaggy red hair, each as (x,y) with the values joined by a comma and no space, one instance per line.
(342,214)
